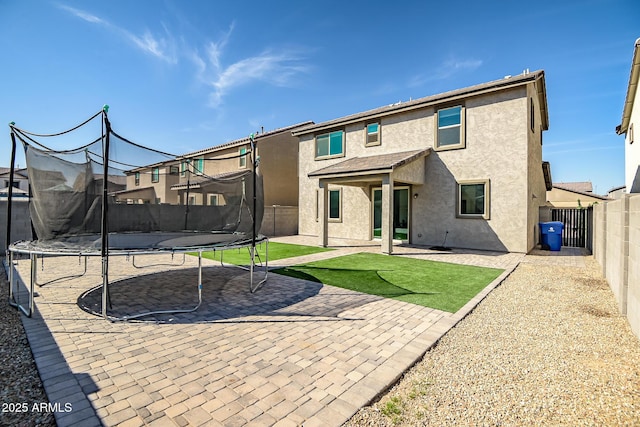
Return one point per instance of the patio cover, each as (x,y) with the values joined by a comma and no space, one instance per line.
(383,169)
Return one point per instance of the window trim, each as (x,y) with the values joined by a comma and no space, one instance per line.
(242,159)
(378,140)
(155,174)
(198,162)
(463,139)
(339,218)
(487,199)
(330,156)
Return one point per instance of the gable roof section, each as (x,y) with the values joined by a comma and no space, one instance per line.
(583,187)
(582,193)
(243,141)
(631,90)
(493,86)
(369,165)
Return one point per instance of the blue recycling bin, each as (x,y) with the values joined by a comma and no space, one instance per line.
(552,234)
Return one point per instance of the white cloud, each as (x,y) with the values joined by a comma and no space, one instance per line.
(271,67)
(160,47)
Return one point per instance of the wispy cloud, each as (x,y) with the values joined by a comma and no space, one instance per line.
(277,68)
(445,70)
(161,47)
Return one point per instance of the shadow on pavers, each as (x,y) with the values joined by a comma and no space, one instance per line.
(225,296)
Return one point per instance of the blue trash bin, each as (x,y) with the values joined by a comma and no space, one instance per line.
(552,234)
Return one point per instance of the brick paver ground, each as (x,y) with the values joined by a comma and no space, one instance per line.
(293,353)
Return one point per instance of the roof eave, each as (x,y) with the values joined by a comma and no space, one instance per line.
(631,90)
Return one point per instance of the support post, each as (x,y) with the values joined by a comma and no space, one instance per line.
(323,213)
(105,222)
(387,215)
(10,194)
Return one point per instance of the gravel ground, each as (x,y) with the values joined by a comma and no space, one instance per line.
(547,347)
(21,386)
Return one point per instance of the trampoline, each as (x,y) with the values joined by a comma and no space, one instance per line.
(87,201)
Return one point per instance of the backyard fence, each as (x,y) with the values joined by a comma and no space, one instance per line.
(578,226)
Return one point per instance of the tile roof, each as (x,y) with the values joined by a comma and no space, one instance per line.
(584,186)
(369,164)
(506,82)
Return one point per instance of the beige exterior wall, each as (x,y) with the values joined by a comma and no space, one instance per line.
(279,166)
(499,147)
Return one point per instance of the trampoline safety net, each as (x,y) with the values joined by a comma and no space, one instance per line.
(154,200)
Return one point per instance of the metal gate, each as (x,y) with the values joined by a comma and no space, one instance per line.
(578,226)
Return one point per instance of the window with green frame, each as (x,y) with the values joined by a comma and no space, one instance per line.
(184,166)
(198,166)
(137,178)
(335,208)
(243,158)
(450,129)
(330,144)
(155,174)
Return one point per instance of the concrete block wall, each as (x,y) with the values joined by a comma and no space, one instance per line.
(280,221)
(617,249)
(20,223)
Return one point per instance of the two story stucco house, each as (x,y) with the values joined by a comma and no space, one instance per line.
(465,165)
(631,120)
(184,179)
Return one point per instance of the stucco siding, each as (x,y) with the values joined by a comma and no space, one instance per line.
(498,148)
(632,149)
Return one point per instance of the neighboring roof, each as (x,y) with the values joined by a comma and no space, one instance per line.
(135,190)
(244,141)
(583,187)
(631,90)
(383,163)
(505,83)
(621,187)
(582,193)
(198,180)
(22,172)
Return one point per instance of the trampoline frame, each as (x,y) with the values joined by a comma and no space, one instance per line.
(105,251)
(33,256)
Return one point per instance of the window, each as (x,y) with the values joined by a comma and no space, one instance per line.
(330,145)
(335,208)
(373,134)
(473,199)
(173,170)
(450,129)
(213,200)
(198,166)
(532,114)
(184,166)
(243,157)
(137,178)
(155,174)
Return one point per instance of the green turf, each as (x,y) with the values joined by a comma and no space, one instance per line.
(276,251)
(439,285)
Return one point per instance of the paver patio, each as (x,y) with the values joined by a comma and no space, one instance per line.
(293,353)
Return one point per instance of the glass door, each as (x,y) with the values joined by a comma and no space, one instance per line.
(400,213)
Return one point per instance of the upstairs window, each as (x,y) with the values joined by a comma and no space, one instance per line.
(243,158)
(450,129)
(330,145)
(137,178)
(373,134)
(198,166)
(173,170)
(155,174)
(184,166)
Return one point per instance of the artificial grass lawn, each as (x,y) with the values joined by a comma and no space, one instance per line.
(439,285)
(276,251)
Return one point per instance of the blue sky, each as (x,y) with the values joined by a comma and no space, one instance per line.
(185,75)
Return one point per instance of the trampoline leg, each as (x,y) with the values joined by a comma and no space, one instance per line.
(14,300)
(266,268)
(105,287)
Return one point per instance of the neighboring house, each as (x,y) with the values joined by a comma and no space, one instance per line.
(617,192)
(631,120)
(464,165)
(183,180)
(20,182)
(573,195)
